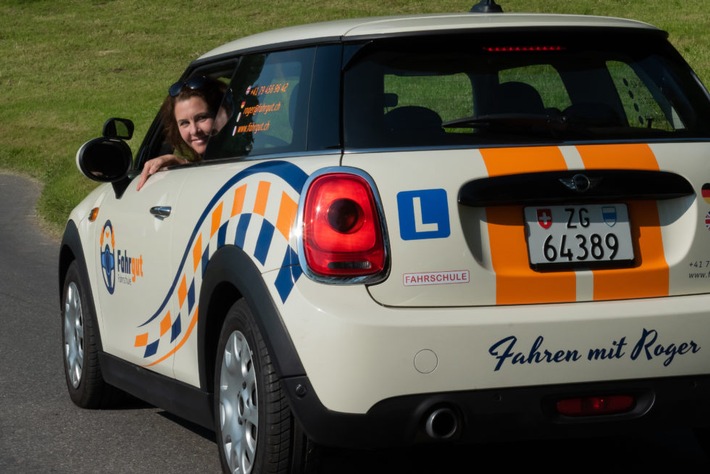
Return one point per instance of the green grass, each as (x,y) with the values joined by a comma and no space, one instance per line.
(68,65)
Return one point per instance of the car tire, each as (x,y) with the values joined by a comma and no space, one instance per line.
(255,429)
(80,346)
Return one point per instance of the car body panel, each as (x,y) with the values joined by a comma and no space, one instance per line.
(137,253)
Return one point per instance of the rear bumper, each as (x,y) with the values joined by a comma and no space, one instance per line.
(374,376)
(501,415)
(357,354)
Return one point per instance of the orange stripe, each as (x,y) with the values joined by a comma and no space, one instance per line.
(216,218)
(287,214)
(165,324)
(500,161)
(239,194)
(652,277)
(262,196)
(141,340)
(516,282)
(631,156)
(197,252)
(182,291)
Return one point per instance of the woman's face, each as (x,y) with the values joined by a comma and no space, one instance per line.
(194,122)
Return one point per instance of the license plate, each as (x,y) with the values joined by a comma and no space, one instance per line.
(579,234)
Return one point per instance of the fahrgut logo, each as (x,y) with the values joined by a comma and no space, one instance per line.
(117,266)
(129,268)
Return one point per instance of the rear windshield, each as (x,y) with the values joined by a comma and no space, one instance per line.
(534,87)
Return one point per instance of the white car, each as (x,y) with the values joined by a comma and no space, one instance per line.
(419,229)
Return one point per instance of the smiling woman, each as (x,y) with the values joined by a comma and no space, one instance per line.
(192,112)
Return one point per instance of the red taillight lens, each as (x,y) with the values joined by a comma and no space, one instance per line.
(596,405)
(341,227)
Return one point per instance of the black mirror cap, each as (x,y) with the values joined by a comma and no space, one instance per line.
(486,6)
(118,128)
(106,160)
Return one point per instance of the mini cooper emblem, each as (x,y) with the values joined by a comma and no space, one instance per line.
(580,183)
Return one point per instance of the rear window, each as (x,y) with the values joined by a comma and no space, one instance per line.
(520,88)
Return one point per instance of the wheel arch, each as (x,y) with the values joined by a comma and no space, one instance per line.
(230,275)
(71,250)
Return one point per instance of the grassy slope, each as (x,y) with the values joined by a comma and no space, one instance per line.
(67,65)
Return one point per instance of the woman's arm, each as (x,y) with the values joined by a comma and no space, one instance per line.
(154,165)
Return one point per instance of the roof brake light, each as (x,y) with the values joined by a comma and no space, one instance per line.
(524,49)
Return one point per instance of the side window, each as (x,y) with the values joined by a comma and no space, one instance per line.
(269,94)
(157,141)
(639,103)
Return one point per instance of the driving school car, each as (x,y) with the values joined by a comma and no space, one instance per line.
(420,229)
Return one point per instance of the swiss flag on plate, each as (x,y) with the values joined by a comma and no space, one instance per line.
(544,218)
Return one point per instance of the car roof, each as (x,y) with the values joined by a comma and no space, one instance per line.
(340,30)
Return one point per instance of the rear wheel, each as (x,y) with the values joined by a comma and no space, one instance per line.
(82,372)
(255,429)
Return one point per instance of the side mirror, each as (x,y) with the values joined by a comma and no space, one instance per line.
(106,160)
(118,128)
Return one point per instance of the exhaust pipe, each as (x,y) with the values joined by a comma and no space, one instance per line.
(442,423)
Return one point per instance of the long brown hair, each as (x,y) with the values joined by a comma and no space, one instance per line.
(210,90)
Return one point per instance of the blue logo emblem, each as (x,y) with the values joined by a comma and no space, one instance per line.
(107,249)
(423,214)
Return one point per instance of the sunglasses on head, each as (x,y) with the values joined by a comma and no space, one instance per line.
(192,84)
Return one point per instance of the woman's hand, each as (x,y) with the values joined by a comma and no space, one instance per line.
(154,165)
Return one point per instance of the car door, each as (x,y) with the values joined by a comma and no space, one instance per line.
(136,304)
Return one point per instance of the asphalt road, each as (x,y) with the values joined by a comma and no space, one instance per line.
(41,431)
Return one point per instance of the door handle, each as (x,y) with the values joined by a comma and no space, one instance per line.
(161,212)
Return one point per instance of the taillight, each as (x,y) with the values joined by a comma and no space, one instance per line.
(342,233)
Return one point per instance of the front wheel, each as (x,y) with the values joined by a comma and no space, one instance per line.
(80,345)
(256,431)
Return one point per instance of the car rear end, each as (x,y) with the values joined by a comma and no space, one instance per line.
(524,239)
